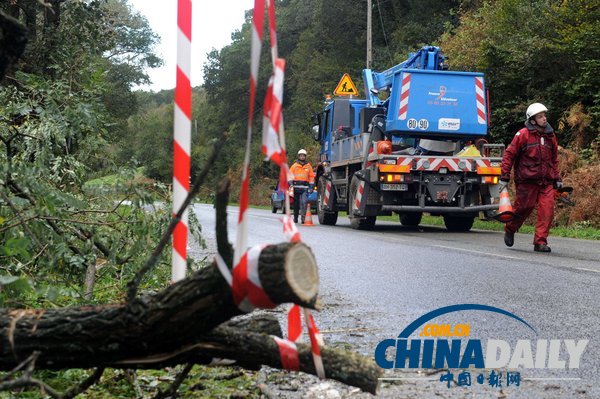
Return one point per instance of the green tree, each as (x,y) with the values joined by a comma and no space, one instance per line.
(578,43)
(511,41)
(56,123)
(51,230)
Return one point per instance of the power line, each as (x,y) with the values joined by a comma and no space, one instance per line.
(384,34)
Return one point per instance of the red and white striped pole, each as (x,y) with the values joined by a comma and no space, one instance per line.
(182,135)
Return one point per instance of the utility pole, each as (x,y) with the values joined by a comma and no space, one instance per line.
(369,35)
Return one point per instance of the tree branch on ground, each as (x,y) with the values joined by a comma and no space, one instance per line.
(172,390)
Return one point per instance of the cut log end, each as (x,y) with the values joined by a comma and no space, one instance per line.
(288,273)
(302,273)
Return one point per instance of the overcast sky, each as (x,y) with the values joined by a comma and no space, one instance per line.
(212,25)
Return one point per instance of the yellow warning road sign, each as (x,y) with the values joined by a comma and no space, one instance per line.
(346,87)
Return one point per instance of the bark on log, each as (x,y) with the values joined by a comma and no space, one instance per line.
(176,317)
(248,343)
(256,323)
(251,350)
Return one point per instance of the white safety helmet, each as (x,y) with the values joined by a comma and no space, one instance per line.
(302,151)
(535,109)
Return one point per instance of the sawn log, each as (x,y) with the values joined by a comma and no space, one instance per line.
(176,317)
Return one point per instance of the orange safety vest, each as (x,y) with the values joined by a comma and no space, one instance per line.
(302,172)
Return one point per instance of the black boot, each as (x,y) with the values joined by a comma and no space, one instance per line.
(509,238)
(541,248)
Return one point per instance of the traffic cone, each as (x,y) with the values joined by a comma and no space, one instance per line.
(505,213)
(308,219)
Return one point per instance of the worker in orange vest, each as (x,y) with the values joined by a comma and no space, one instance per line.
(302,184)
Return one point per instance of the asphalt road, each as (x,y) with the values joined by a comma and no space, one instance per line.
(375,283)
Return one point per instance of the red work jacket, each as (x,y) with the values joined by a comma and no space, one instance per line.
(534,156)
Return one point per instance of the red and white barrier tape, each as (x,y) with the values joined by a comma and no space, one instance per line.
(273,118)
(288,353)
(182,136)
(258,17)
(248,292)
(290,231)
(316,341)
(272,31)
(294,324)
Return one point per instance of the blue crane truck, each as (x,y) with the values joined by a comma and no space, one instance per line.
(421,149)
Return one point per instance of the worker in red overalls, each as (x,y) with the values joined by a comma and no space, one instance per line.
(533,153)
(302,184)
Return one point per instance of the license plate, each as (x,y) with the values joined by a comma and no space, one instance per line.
(394,187)
(442,196)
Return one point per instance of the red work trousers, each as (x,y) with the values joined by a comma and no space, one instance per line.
(528,195)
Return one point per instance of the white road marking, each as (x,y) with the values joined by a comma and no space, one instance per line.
(478,252)
(587,270)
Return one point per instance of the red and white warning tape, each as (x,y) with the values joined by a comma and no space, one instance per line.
(288,353)
(290,231)
(272,31)
(316,340)
(273,118)
(294,324)
(248,292)
(257,35)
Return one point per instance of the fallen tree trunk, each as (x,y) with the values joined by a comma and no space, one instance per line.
(174,318)
(265,324)
(251,350)
(248,343)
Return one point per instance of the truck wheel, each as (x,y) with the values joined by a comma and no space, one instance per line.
(325,217)
(356,222)
(458,223)
(410,219)
(273,207)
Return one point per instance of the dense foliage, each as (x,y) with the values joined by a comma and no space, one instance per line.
(542,50)
(62,107)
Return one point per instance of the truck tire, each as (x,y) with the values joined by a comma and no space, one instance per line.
(458,223)
(328,218)
(410,219)
(273,207)
(358,223)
